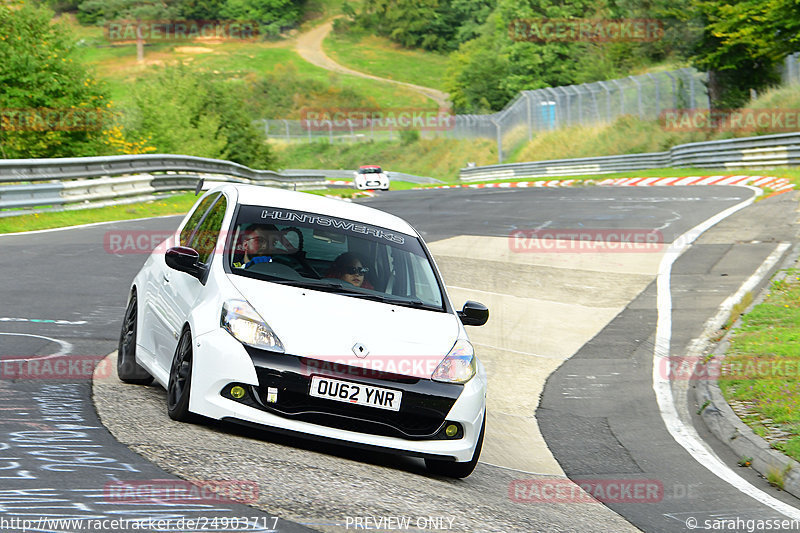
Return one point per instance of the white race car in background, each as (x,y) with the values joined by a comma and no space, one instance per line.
(283,341)
(371,177)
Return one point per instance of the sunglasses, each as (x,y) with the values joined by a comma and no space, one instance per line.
(357,270)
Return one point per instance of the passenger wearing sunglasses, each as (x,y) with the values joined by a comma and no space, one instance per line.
(348,267)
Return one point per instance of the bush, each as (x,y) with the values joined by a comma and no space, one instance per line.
(40,75)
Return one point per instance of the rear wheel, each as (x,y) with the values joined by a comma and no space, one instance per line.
(458,470)
(128,369)
(180,380)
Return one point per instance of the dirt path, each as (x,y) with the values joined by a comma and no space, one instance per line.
(309,46)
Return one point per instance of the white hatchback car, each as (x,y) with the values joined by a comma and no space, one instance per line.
(311,316)
(371,177)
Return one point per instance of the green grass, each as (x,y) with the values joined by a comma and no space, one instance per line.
(175,205)
(117,65)
(763,365)
(381,57)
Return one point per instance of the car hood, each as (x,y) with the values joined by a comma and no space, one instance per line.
(333,327)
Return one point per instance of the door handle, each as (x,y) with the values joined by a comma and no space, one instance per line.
(166,278)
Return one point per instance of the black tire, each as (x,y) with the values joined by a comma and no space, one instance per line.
(128,370)
(458,470)
(180,380)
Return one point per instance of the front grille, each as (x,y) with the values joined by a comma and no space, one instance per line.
(422,412)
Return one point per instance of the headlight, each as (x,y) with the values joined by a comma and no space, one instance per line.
(459,366)
(246,325)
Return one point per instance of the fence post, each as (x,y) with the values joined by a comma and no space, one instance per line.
(674,90)
(658,93)
(499,141)
(621,97)
(639,94)
(608,101)
(530,119)
(691,90)
(286,124)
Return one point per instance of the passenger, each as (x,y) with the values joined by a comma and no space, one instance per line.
(349,267)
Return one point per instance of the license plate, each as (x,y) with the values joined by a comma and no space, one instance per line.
(355,393)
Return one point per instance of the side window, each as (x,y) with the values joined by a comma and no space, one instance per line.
(207,234)
(194,220)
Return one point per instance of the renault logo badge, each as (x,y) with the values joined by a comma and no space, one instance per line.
(360,350)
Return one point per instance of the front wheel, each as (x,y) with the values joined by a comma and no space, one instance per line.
(128,370)
(458,470)
(180,380)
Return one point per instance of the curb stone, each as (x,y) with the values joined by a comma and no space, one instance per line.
(777,184)
(729,428)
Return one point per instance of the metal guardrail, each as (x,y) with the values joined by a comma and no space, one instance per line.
(762,152)
(70,181)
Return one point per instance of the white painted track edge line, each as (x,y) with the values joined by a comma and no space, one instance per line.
(684,435)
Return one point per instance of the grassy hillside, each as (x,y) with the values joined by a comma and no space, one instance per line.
(438,158)
(117,66)
(381,57)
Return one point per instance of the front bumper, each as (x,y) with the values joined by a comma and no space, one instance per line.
(417,429)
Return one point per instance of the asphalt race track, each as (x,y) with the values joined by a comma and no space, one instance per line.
(598,418)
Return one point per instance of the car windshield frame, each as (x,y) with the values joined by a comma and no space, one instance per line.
(360,232)
(370,170)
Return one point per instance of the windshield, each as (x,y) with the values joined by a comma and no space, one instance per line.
(372,170)
(332,254)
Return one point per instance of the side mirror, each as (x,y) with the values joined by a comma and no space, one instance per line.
(184,259)
(474,314)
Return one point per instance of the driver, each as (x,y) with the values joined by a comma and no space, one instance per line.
(259,243)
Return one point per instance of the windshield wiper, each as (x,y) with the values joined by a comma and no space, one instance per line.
(339,288)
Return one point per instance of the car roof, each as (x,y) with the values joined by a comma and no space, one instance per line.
(369,166)
(300,201)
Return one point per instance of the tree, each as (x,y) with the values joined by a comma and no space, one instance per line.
(180,111)
(50,104)
(129,11)
(741,45)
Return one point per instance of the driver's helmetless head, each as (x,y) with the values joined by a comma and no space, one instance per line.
(261,239)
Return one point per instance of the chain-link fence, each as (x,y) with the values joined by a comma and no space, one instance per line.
(645,96)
